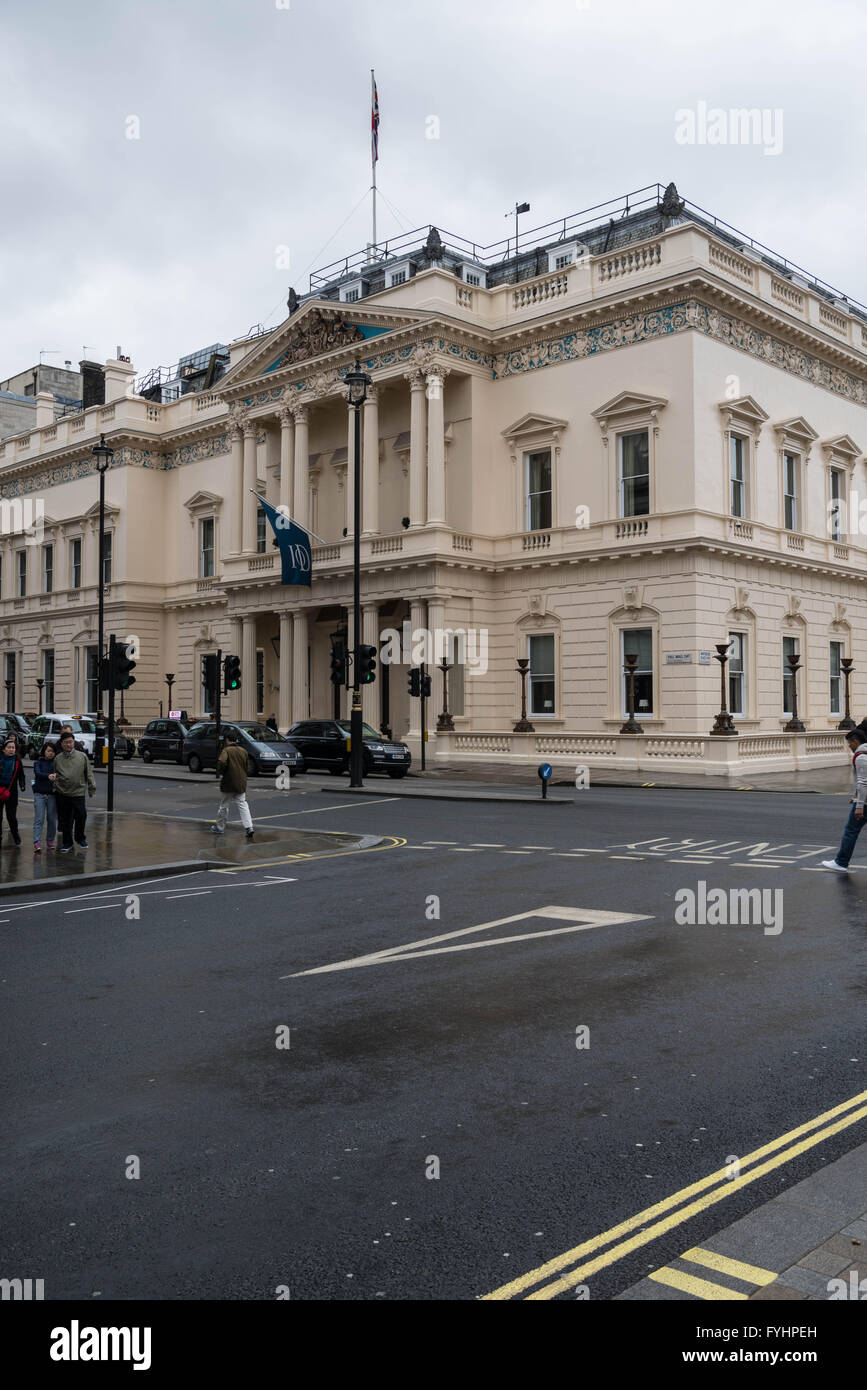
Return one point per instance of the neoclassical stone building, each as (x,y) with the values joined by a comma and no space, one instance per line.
(626,440)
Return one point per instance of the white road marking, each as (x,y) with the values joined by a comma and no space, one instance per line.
(580,919)
(440,842)
(344,806)
(95,907)
(175,897)
(480,845)
(516,851)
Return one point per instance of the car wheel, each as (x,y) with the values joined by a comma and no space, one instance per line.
(396,776)
(195,763)
(146,755)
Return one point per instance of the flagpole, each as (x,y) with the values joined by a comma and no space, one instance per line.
(260,498)
(373,152)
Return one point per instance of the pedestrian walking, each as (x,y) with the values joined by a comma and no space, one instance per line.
(44,800)
(74,783)
(232,766)
(857,741)
(271,723)
(11,780)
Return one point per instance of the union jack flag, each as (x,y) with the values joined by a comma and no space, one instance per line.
(374,119)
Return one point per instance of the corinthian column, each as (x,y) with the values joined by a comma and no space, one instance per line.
(370,465)
(287,461)
(302,462)
(436,447)
(417,421)
(250,505)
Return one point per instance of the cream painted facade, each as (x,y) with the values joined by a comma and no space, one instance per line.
(669,344)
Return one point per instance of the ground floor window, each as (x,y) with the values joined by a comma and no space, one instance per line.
(91,680)
(638,642)
(737,672)
(542,685)
(790,648)
(260,682)
(836,678)
(10,677)
(48,677)
(207,693)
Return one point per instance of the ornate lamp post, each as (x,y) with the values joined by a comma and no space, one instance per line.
(847,722)
(632,725)
(723,724)
(523,725)
(357,383)
(10,695)
(445,723)
(103,454)
(40,685)
(794,726)
(170,680)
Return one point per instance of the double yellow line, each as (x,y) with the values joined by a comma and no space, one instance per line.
(790,1145)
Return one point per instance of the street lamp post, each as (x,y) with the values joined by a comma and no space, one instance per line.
(795,725)
(445,723)
(103,455)
(170,680)
(357,383)
(40,685)
(10,688)
(847,722)
(523,725)
(723,724)
(632,725)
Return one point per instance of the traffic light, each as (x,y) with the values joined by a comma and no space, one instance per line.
(210,672)
(425,687)
(338,663)
(414,686)
(120,675)
(366,665)
(231,674)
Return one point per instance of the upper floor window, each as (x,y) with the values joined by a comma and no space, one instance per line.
(542,681)
(836,508)
(472,278)
(791,492)
(261,531)
(22,573)
(75,563)
(106,559)
(351,296)
(539,492)
(737,475)
(206,547)
(634,467)
(47,568)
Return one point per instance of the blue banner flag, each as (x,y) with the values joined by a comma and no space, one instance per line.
(294,545)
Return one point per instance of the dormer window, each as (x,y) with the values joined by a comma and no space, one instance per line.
(351,291)
(566,254)
(398,275)
(474,275)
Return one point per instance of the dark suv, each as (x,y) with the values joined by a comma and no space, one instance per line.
(265,750)
(163,738)
(325,743)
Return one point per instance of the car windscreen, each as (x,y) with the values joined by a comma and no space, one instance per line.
(86,727)
(260,733)
(366,731)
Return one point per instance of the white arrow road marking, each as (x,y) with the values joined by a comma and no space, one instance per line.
(581,918)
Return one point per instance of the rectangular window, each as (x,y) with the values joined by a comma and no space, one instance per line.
(260,681)
(634,474)
(737,673)
(11,678)
(48,677)
(206,548)
(398,277)
(540,650)
(22,573)
(91,692)
(790,648)
(737,474)
(472,279)
(261,531)
(47,569)
(207,697)
(790,492)
(835,510)
(560,262)
(539,509)
(75,563)
(836,678)
(638,642)
(351,296)
(106,566)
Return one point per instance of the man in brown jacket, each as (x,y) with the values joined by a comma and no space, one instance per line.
(232,771)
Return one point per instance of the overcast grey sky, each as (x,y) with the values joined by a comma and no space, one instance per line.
(254,135)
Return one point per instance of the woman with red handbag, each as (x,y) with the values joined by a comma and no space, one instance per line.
(11,779)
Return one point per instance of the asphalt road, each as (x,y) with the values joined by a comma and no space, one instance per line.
(314,1166)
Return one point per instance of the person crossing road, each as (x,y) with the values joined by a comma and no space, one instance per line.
(857,741)
(232,768)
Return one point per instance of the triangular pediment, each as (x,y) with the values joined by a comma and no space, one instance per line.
(319,331)
(534,423)
(745,408)
(842,444)
(629,403)
(202,499)
(797,428)
(110,510)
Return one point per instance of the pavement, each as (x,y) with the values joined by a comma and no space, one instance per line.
(814,1234)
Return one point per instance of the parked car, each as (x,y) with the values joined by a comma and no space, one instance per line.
(325,743)
(10,727)
(48,726)
(265,749)
(163,738)
(124,744)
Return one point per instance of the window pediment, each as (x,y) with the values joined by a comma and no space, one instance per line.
(744,414)
(626,407)
(203,504)
(532,427)
(796,432)
(842,449)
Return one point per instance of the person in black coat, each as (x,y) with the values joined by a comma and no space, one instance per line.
(11,778)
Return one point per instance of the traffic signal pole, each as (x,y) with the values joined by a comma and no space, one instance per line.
(423,725)
(109,799)
(356,751)
(218,705)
